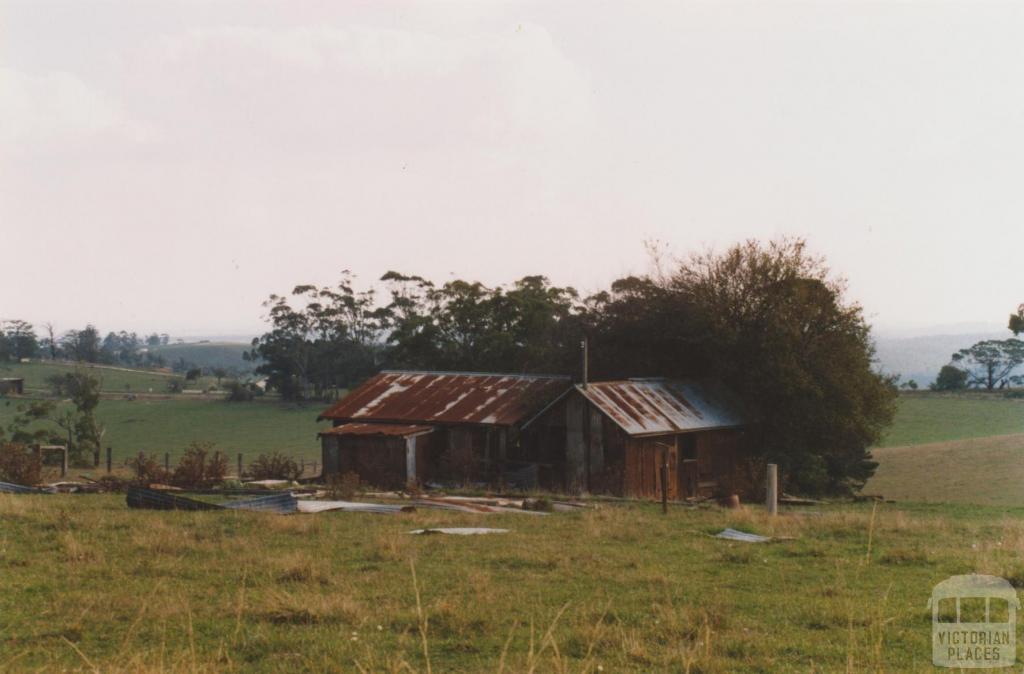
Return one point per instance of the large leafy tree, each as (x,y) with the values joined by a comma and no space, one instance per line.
(530,326)
(771,322)
(1017,320)
(84,432)
(321,339)
(990,363)
(18,340)
(82,345)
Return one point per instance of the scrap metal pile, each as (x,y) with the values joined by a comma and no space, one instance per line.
(301,500)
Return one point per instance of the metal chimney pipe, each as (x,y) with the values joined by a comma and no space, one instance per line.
(585,346)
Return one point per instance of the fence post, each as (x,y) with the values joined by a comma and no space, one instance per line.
(64,463)
(167,461)
(239,466)
(108,459)
(664,481)
(772,490)
(96,458)
(302,467)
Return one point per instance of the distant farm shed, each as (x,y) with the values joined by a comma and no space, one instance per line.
(14,385)
(612,437)
(402,427)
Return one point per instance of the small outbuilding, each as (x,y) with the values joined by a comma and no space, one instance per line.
(15,385)
(613,437)
(404,427)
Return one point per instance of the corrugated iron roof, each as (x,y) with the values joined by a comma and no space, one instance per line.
(449,397)
(399,430)
(658,406)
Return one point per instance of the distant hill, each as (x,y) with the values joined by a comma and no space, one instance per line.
(207,354)
(921,357)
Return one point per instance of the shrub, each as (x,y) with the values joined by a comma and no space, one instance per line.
(539,504)
(147,468)
(342,487)
(274,466)
(200,466)
(950,379)
(238,392)
(19,464)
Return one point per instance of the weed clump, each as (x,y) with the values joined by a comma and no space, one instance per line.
(18,464)
(274,466)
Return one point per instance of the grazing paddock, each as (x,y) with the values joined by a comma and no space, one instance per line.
(90,585)
(986,471)
(936,417)
(158,426)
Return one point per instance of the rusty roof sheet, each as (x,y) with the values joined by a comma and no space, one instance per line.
(449,397)
(659,406)
(397,430)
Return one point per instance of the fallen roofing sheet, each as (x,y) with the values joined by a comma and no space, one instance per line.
(350,506)
(471,507)
(11,488)
(138,497)
(449,397)
(394,430)
(742,536)
(285,502)
(659,406)
(460,531)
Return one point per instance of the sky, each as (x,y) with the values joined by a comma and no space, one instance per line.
(165,166)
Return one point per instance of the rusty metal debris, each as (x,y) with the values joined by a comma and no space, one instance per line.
(394,430)
(138,497)
(474,505)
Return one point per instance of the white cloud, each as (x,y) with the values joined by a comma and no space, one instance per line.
(56,110)
(326,89)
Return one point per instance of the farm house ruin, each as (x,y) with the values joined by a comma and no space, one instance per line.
(612,437)
(419,427)
(539,431)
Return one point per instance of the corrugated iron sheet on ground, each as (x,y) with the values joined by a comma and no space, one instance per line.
(285,502)
(460,531)
(350,506)
(397,430)
(466,505)
(741,536)
(449,397)
(11,488)
(659,406)
(138,497)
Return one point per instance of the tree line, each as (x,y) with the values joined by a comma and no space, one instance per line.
(990,364)
(19,340)
(768,319)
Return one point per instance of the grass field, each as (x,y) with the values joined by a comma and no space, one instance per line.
(91,585)
(169,425)
(930,417)
(978,470)
(113,379)
(966,448)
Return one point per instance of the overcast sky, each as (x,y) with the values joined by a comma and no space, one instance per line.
(165,166)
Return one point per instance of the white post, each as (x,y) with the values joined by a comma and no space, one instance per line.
(410,460)
(773,489)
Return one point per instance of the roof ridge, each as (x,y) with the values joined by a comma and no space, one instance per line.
(456,373)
